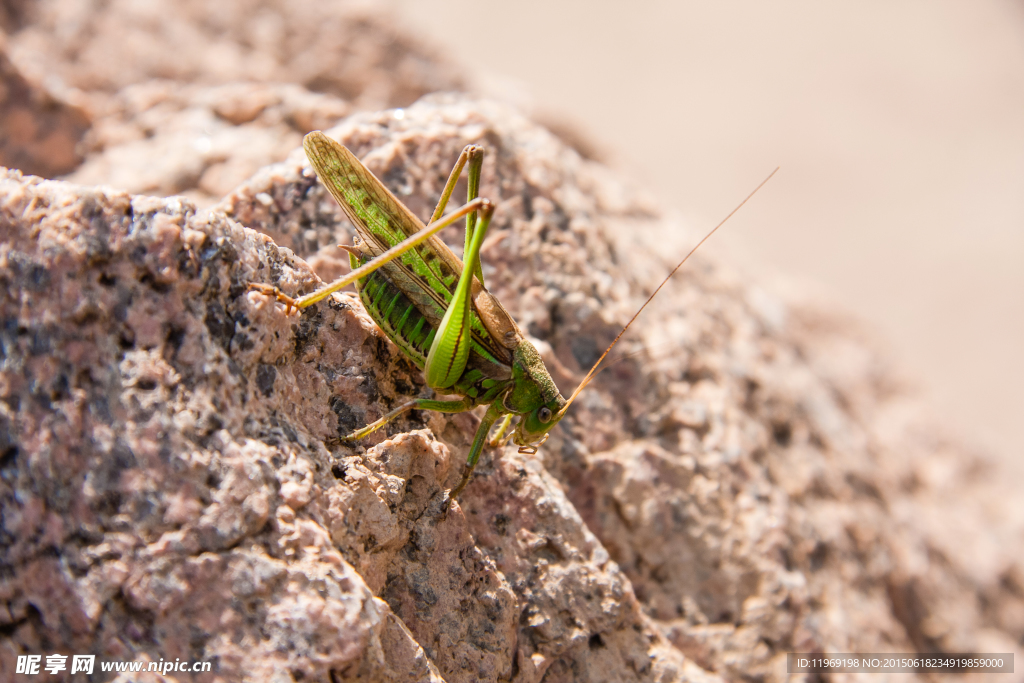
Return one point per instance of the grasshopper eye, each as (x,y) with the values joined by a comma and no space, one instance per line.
(544,414)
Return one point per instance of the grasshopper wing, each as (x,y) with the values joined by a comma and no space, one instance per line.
(427,274)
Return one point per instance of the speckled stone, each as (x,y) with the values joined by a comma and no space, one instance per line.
(749,481)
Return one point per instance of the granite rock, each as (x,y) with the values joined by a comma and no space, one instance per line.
(192,98)
(39,129)
(349,49)
(748,480)
(748,477)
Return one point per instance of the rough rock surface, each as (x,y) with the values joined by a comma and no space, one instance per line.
(193,97)
(750,460)
(39,131)
(339,47)
(749,479)
(746,483)
(163,137)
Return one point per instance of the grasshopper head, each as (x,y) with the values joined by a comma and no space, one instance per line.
(534,396)
(532,429)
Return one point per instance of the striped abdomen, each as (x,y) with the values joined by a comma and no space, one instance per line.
(406,325)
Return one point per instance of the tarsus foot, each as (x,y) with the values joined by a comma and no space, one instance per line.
(270,290)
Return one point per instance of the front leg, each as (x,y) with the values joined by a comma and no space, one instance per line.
(500,438)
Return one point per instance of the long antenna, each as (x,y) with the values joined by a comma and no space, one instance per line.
(590,375)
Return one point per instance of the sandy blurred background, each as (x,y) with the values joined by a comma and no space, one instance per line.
(899,128)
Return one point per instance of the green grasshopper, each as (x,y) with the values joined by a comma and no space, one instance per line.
(437,309)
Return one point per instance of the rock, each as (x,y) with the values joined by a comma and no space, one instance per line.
(339,47)
(749,478)
(169,432)
(132,516)
(164,138)
(38,129)
(172,485)
(743,473)
(191,98)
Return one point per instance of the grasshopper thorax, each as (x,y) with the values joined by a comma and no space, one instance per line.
(533,396)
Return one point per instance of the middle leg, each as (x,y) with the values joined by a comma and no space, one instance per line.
(459,406)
